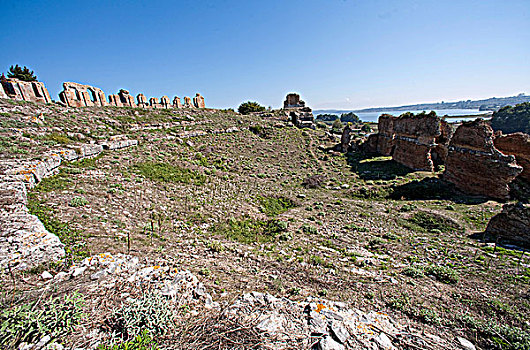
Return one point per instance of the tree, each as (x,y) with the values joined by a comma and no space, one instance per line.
(349,117)
(249,107)
(20,73)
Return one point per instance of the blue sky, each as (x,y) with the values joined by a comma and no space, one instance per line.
(336,53)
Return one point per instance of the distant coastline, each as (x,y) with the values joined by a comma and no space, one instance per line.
(490,104)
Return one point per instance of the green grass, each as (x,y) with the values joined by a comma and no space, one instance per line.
(432,222)
(272,206)
(165,172)
(248,230)
(75,245)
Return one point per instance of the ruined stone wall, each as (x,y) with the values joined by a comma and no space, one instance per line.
(31,91)
(79,95)
(126,99)
(474,165)
(142,101)
(293,101)
(164,102)
(518,145)
(198,101)
(114,100)
(386,138)
(176,102)
(415,137)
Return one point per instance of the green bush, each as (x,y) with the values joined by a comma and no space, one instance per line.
(150,312)
(143,341)
(433,222)
(20,73)
(56,317)
(249,107)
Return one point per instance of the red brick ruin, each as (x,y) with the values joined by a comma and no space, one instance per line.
(476,161)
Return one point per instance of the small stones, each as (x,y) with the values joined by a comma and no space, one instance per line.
(46,275)
(466,344)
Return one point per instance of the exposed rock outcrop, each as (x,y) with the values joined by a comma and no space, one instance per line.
(79,95)
(475,166)
(31,91)
(518,145)
(187,102)
(511,225)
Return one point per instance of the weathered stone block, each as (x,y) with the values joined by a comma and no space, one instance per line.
(293,101)
(518,145)
(114,100)
(511,225)
(164,102)
(475,166)
(126,99)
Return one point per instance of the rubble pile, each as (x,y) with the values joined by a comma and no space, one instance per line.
(322,325)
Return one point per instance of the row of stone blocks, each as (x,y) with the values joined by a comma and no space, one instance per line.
(476,160)
(24,241)
(79,95)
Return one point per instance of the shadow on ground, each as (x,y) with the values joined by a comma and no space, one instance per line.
(376,168)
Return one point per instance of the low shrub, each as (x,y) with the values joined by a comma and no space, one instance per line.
(56,317)
(442,273)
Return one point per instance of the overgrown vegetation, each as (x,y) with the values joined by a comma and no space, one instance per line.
(29,322)
(21,73)
(149,312)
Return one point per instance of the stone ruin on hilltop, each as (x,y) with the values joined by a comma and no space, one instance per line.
(80,95)
(297,112)
(32,91)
